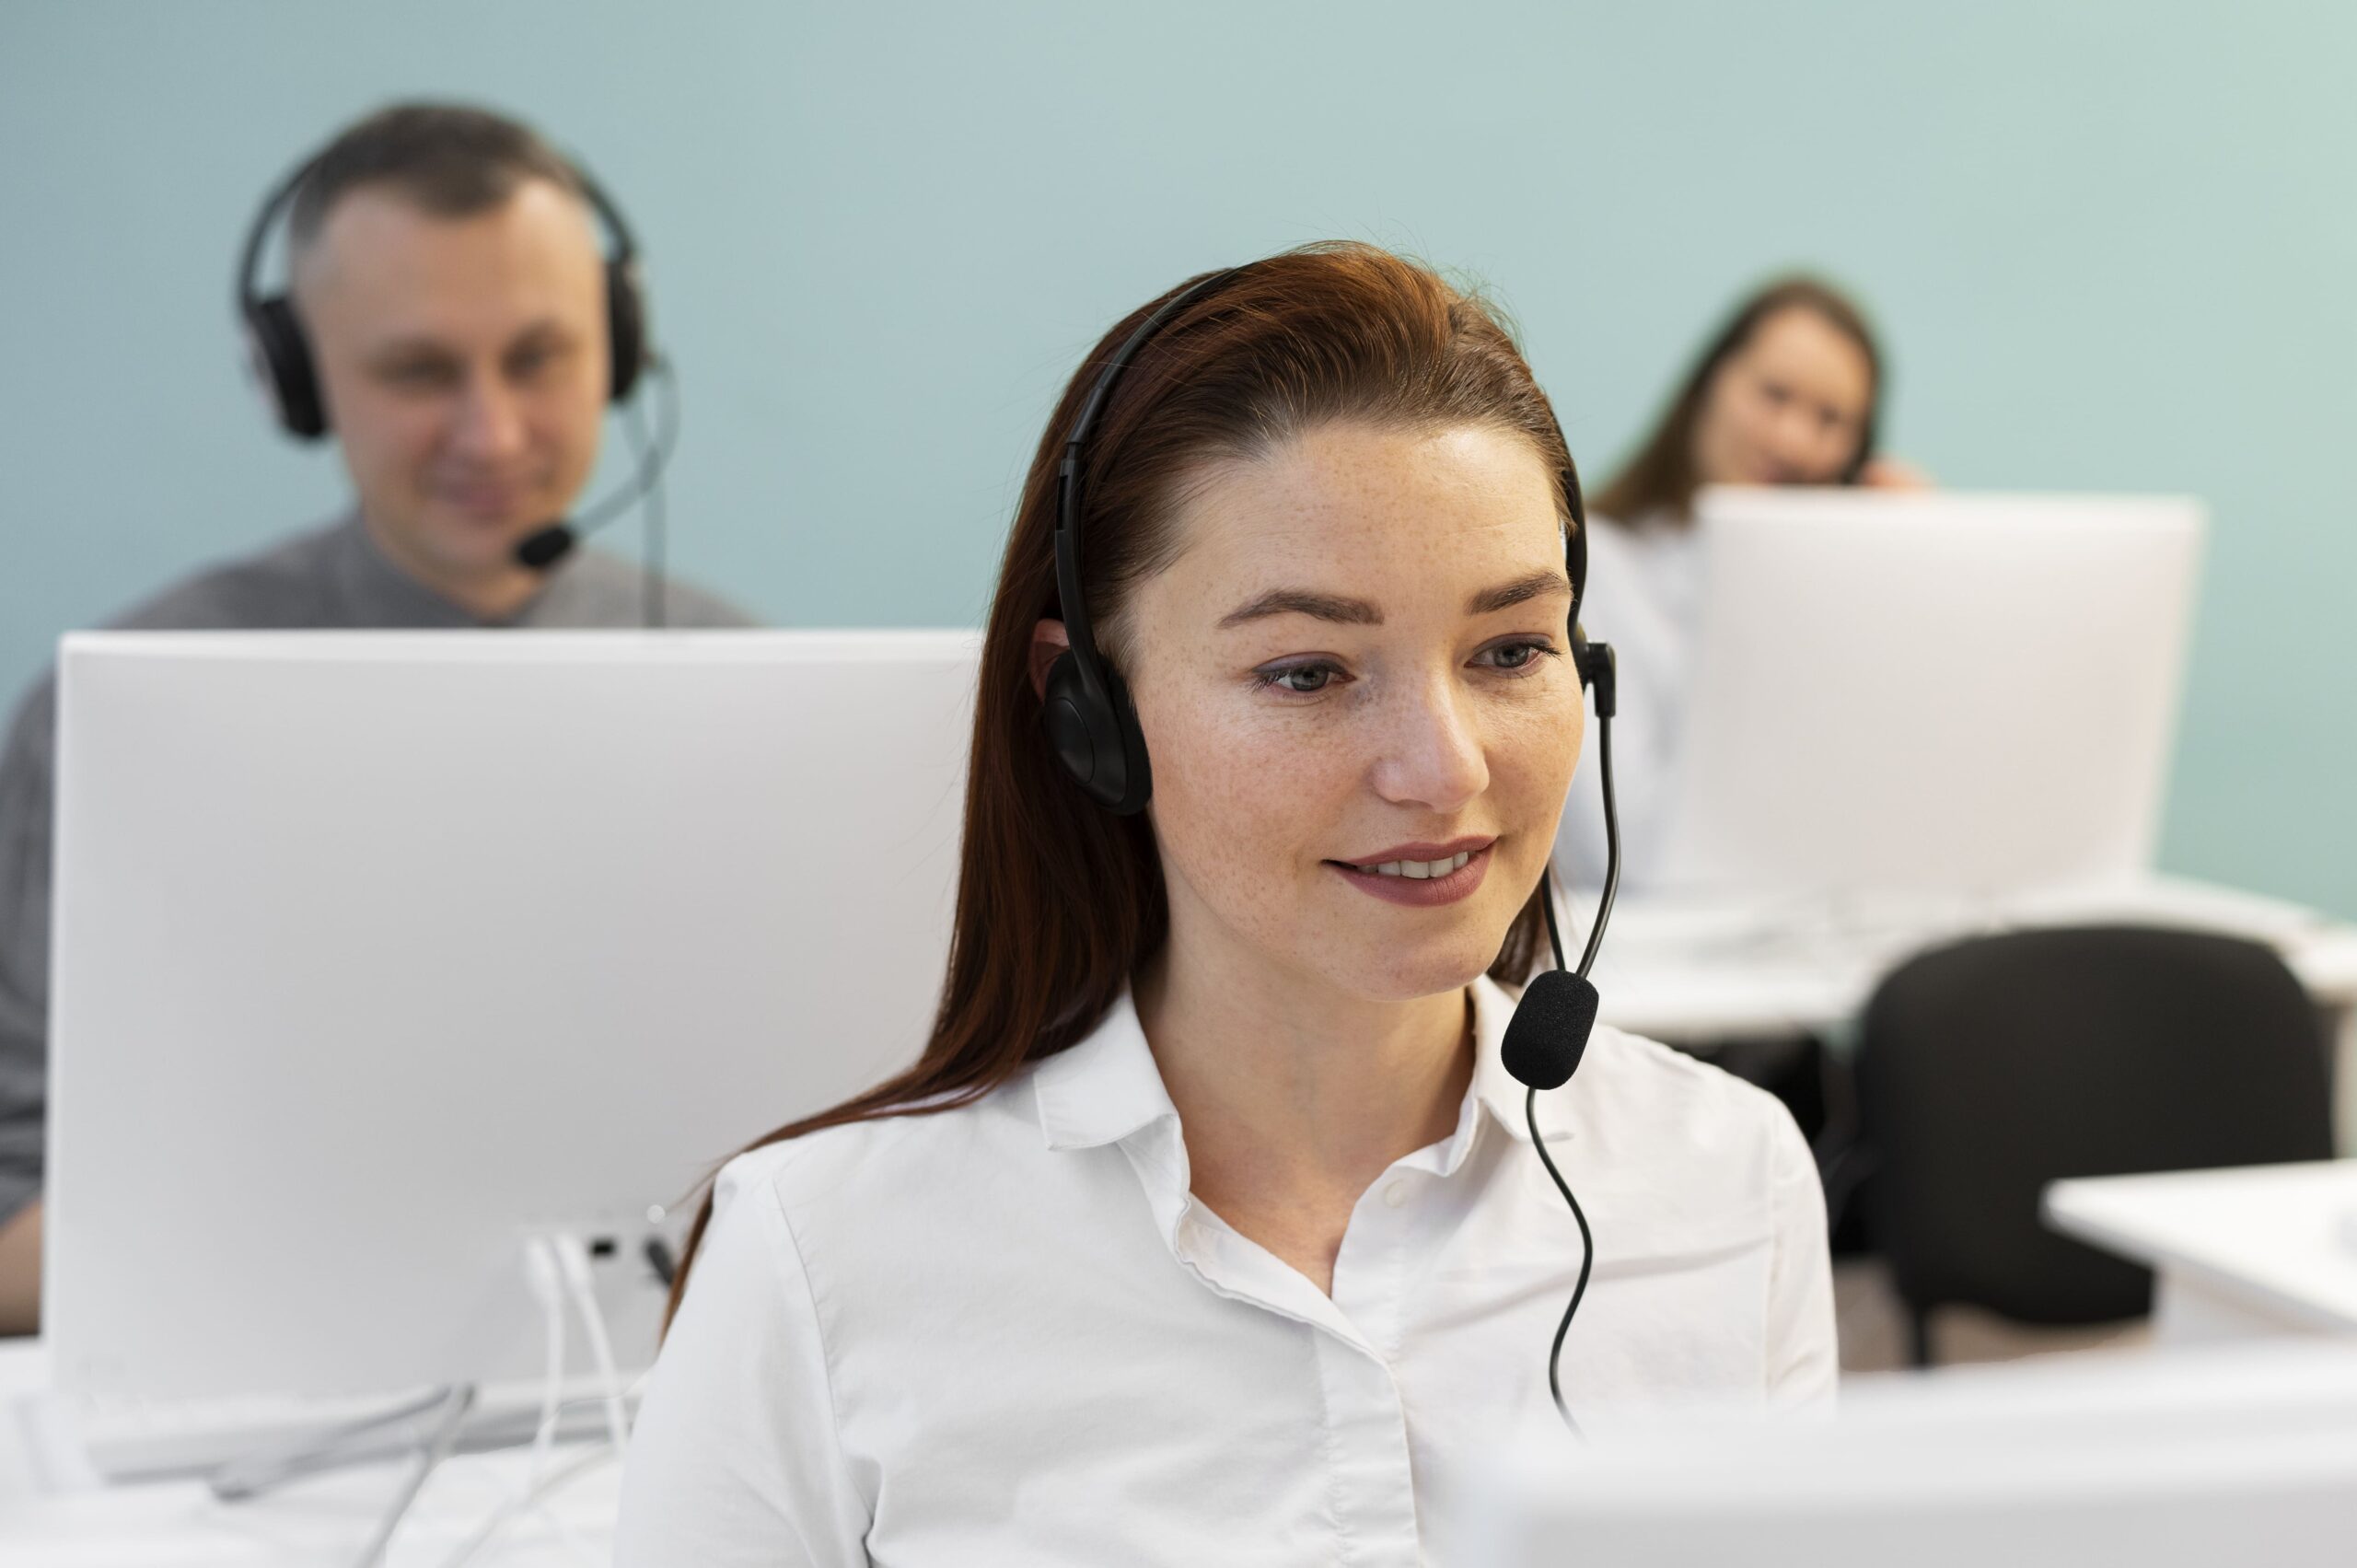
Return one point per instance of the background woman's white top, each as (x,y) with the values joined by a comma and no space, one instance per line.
(1644,597)
(1006,1333)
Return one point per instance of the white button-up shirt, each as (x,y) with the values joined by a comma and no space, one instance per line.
(1008,1333)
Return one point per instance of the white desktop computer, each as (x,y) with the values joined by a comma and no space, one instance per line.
(2184,1460)
(381,956)
(1964,696)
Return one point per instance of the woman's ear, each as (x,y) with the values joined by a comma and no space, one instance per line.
(1049,643)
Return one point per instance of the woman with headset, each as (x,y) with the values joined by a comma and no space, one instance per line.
(1788,390)
(1211,1224)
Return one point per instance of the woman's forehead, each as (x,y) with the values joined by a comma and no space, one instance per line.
(1359,500)
(1802,341)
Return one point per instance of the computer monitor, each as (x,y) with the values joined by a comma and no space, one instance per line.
(376,953)
(2177,1460)
(1951,695)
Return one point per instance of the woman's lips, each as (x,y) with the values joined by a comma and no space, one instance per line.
(1420,893)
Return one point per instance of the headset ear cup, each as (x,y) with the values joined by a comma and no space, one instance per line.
(1096,736)
(1064,714)
(625,328)
(281,356)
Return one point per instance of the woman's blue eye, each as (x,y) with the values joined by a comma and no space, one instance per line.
(1517,658)
(1302,679)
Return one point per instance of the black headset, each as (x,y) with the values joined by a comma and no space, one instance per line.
(1089,718)
(281,352)
(1094,728)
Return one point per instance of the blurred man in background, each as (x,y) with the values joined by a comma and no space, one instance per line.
(457,327)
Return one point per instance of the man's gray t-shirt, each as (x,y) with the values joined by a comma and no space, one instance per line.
(333,578)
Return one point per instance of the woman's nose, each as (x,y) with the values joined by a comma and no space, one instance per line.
(1431,751)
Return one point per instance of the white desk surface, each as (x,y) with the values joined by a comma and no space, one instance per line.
(54,1515)
(2279,1240)
(1694,968)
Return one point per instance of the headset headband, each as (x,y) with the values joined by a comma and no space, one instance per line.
(1068,488)
(249,296)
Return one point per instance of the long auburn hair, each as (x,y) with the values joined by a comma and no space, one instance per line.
(1659,481)
(1059,901)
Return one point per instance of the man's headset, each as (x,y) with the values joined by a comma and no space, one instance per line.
(1093,725)
(280,354)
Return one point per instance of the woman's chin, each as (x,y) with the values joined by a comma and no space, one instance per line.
(1430,971)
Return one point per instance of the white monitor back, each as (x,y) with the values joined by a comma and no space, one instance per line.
(1931,694)
(2173,1460)
(376,951)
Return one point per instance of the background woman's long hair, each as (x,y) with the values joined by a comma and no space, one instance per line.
(1658,483)
(1058,901)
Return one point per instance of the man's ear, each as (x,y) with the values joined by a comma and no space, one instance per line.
(1049,643)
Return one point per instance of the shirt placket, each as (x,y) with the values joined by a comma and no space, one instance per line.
(1371,1483)
(1373,1474)
(1357,1329)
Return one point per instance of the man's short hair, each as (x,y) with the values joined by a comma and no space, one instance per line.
(451,160)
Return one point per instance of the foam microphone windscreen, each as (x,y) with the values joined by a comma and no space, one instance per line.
(545,547)
(1547,1034)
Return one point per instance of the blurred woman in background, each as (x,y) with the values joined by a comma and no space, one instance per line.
(1788,391)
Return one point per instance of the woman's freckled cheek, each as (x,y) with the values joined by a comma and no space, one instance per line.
(1249,797)
(1245,792)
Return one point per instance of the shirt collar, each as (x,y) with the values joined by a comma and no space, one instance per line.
(1108,1086)
(1105,1088)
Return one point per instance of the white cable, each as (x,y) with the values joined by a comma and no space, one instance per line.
(552,1270)
(573,1259)
(434,1448)
(542,1267)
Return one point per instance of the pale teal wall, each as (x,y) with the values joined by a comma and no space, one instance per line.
(2115,245)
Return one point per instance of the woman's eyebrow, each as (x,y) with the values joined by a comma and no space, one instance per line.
(1303,601)
(1347,612)
(1522,590)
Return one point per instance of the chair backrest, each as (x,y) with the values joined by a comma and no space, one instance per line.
(1992,1067)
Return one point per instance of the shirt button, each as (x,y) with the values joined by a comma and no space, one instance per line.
(1395,1194)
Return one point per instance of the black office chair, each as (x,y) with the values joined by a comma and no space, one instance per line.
(1992,1067)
